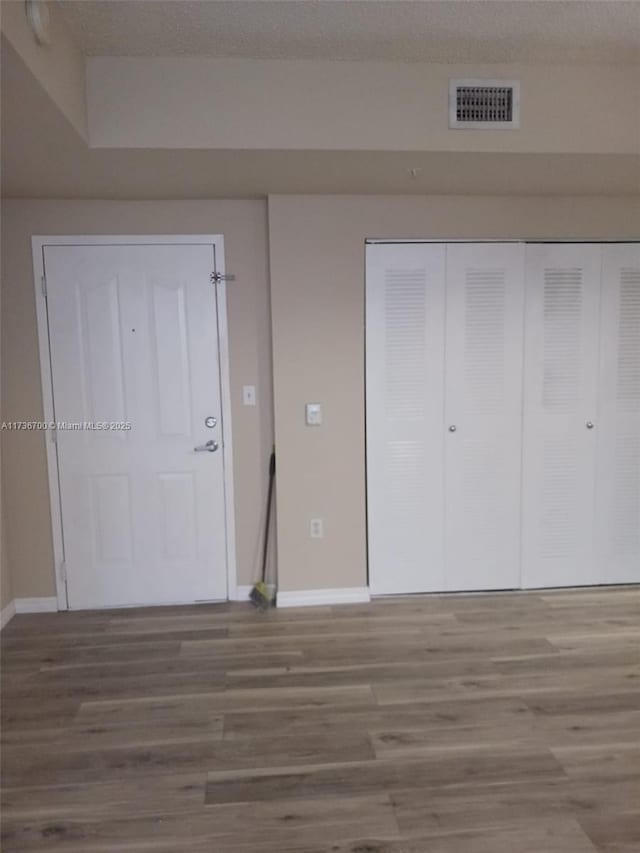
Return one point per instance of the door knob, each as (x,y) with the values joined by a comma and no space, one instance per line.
(452,428)
(210,445)
(590,425)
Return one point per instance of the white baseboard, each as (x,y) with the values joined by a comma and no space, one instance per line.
(36,605)
(319,597)
(7,614)
(241,593)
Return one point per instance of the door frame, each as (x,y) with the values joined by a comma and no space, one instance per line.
(216,241)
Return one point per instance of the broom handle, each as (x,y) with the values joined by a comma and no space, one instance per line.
(272,472)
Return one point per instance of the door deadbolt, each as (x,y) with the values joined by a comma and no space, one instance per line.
(210,422)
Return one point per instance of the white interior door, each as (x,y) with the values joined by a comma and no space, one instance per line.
(618,422)
(405,385)
(133,338)
(483,415)
(560,435)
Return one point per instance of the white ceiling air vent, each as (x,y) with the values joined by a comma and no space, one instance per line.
(484,104)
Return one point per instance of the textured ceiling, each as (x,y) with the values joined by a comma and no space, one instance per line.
(458,31)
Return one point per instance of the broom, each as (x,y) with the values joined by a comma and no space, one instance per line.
(259,595)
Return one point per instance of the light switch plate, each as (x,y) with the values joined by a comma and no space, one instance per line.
(248,395)
(313,414)
(316,528)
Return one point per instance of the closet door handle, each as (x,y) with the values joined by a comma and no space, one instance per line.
(452,428)
(590,425)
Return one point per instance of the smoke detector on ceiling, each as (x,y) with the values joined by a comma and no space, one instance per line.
(484,104)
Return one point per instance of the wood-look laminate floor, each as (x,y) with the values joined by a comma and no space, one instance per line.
(461,724)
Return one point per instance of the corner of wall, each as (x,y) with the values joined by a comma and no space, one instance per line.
(59,67)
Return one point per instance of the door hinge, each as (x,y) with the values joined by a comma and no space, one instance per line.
(217,277)
(43,285)
(54,436)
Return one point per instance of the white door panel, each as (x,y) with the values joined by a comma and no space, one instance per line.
(483,402)
(133,337)
(618,423)
(559,449)
(405,374)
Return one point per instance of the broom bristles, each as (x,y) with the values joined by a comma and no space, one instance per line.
(260,596)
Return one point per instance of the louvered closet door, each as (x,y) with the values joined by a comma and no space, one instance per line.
(483,415)
(405,369)
(559,446)
(618,423)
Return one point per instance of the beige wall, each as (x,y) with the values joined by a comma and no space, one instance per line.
(316,250)
(24,476)
(6,586)
(59,66)
(369,106)
(317,294)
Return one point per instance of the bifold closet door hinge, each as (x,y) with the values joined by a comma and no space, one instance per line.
(217,277)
